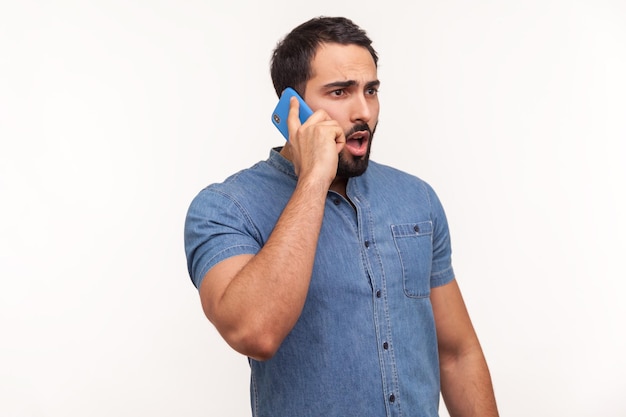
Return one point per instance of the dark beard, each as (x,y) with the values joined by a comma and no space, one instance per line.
(354,167)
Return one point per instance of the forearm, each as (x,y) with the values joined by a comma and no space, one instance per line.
(466,385)
(263,301)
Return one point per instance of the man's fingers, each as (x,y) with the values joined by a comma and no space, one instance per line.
(340,139)
(319,119)
(293,118)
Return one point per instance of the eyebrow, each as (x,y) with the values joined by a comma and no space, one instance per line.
(351,83)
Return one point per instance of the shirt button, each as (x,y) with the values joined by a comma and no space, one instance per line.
(336,201)
(416,228)
(392,398)
(378,294)
(367,243)
(385,345)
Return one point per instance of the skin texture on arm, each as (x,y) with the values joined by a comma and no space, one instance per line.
(466,384)
(254,301)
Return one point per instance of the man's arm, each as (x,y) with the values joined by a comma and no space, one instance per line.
(255,300)
(465,381)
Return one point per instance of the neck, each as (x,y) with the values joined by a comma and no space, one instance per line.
(339,186)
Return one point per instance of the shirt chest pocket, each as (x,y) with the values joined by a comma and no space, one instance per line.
(414,245)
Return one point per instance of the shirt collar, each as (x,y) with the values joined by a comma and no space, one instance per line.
(281,163)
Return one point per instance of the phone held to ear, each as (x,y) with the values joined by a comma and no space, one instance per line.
(279,116)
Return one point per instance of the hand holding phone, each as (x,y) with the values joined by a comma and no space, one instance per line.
(280,113)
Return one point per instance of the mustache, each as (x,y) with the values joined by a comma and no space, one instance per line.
(359,128)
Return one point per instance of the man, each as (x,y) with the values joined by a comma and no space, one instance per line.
(331,272)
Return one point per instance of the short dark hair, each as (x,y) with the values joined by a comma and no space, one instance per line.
(291,60)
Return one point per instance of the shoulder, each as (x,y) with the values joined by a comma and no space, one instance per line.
(247,185)
(387,184)
(395,179)
(250,200)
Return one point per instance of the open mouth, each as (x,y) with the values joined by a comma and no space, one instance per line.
(357,143)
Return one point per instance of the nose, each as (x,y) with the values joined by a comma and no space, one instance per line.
(360,109)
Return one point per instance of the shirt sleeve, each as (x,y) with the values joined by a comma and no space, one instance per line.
(442,271)
(216,228)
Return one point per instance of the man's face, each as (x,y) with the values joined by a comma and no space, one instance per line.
(344,83)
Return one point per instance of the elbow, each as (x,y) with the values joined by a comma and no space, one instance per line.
(451,359)
(259,345)
(249,334)
(246,336)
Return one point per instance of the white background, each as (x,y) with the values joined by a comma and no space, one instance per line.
(114,114)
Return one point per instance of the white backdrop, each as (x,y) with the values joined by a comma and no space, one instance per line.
(114,114)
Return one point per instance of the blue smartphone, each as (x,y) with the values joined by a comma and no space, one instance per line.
(280,113)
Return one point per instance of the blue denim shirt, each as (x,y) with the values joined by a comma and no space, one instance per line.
(365,343)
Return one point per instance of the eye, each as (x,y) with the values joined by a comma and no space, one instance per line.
(337,93)
(372,91)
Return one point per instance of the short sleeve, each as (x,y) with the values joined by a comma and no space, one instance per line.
(216,228)
(442,271)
